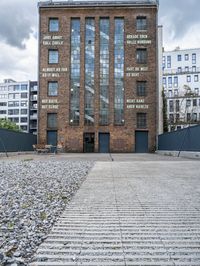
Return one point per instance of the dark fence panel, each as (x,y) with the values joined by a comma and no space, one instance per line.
(187,139)
(12,141)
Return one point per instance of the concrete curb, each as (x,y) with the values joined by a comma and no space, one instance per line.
(184,154)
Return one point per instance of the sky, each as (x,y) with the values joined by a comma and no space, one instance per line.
(19,33)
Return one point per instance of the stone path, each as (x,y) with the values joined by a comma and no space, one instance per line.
(130,213)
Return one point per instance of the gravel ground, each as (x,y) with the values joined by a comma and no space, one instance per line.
(32,195)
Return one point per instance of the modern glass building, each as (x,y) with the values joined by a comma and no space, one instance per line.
(98,75)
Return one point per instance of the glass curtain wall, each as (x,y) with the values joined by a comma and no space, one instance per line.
(89,70)
(75,72)
(119,71)
(104,71)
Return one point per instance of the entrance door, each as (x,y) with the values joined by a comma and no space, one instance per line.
(88,142)
(52,137)
(141,141)
(104,142)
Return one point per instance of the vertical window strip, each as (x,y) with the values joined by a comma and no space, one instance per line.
(75,72)
(119,71)
(89,70)
(104,71)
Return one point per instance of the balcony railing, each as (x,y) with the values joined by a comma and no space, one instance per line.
(181,71)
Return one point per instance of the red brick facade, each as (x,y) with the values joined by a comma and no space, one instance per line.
(122,138)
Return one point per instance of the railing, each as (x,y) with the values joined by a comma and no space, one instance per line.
(98,3)
(180,71)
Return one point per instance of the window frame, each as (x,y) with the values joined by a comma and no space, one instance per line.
(49,24)
(141,27)
(52,82)
(53,50)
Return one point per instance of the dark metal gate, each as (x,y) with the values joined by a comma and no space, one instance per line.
(88,142)
(141,141)
(52,137)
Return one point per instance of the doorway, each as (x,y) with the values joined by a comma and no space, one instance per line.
(52,137)
(141,141)
(88,142)
(104,142)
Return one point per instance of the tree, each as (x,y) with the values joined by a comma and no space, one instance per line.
(7,124)
(165,120)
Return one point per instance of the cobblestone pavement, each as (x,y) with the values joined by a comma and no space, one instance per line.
(130,213)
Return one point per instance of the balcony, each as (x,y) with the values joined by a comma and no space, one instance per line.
(34,98)
(181,71)
(35,88)
(33,117)
(33,107)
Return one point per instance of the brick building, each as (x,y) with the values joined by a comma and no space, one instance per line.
(98,75)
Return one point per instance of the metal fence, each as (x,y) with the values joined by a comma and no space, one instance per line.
(11,141)
(187,139)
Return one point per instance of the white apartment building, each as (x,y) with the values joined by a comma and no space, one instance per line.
(17,103)
(181,84)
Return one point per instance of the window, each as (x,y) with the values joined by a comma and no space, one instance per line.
(13,104)
(141,88)
(188,117)
(14,119)
(13,112)
(164,82)
(16,87)
(164,61)
(196,78)
(194,69)
(196,91)
(141,23)
(186,57)
(53,56)
(171,106)
(177,106)
(24,128)
(3,112)
(171,118)
(194,102)
(168,61)
(24,87)
(175,92)
(119,72)
(75,72)
(141,56)
(179,57)
(24,111)
(53,24)
(169,82)
(52,88)
(188,78)
(177,117)
(141,120)
(3,104)
(24,119)
(24,95)
(52,120)
(186,69)
(170,93)
(194,117)
(3,96)
(175,81)
(13,96)
(179,69)
(188,103)
(193,58)
(24,103)
(104,71)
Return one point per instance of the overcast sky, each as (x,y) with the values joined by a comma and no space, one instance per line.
(18,33)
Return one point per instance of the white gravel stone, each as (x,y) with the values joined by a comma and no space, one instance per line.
(32,196)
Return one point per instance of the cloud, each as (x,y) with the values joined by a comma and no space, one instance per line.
(18,19)
(19,64)
(179,16)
